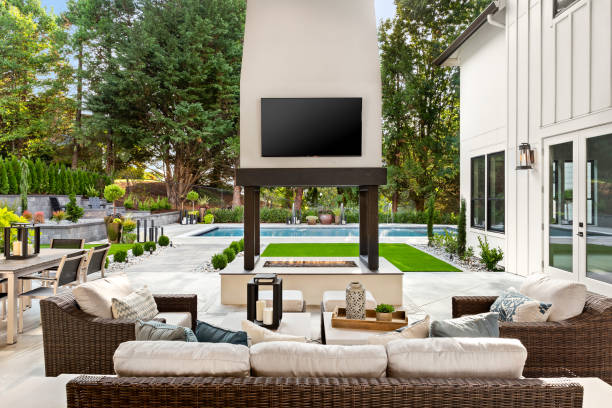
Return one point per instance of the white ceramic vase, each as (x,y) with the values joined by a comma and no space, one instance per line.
(355,301)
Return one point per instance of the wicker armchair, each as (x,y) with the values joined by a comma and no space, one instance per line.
(76,342)
(582,344)
(253,392)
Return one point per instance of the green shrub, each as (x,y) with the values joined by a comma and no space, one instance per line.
(489,257)
(209,218)
(461,230)
(129,225)
(274,214)
(163,241)
(128,237)
(58,216)
(385,308)
(163,203)
(241,242)
(150,246)
(137,250)
(223,215)
(106,262)
(219,261)
(235,245)
(130,202)
(120,256)
(90,191)
(450,242)
(230,254)
(73,211)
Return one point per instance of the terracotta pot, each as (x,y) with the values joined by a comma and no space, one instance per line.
(384,317)
(113,232)
(337,219)
(325,219)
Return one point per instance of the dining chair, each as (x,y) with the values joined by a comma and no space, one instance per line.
(68,273)
(96,260)
(3,296)
(67,243)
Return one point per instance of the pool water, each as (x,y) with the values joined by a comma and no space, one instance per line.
(323,232)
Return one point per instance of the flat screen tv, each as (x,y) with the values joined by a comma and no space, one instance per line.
(292,127)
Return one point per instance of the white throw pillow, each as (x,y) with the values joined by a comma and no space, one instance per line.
(136,305)
(456,357)
(283,359)
(513,306)
(567,297)
(96,297)
(418,330)
(180,359)
(258,334)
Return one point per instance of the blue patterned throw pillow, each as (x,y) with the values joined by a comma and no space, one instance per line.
(207,333)
(513,306)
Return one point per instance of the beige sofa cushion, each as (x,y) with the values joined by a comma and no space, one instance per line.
(567,297)
(454,357)
(95,297)
(418,330)
(284,359)
(258,334)
(293,300)
(179,359)
(337,298)
(182,319)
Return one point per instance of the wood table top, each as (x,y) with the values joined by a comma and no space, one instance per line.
(46,256)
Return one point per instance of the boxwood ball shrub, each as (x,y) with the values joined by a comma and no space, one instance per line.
(241,242)
(121,256)
(209,218)
(163,241)
(229,254)
(137,250)
(219,261)
(235,245)
(149,246)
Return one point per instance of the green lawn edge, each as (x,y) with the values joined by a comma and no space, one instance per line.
(405,257)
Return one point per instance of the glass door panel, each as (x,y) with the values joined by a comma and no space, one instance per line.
(599,208)
(561,206)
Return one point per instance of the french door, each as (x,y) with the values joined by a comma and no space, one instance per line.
(578,209)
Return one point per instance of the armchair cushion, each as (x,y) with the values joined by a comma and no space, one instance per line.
(567,297)
(480,325)
(95,297)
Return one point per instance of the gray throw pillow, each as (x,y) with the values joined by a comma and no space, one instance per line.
(156,331)
(480,325)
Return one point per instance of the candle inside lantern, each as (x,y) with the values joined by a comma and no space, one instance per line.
(260,306)
(267,316)
(17,248)
(30,249)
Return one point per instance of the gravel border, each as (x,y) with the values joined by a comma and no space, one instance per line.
(134,260)
(467,266)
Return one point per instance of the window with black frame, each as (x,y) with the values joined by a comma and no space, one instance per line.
(559,6)
(478,198)
(496,192)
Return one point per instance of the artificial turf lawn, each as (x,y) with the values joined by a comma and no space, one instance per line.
(405,257)
(113,249)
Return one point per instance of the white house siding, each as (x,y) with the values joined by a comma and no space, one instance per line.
(551,77)
(482,110)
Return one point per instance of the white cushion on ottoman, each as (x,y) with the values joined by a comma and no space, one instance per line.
(293,300)
(456,357)
(567,297)
(181,359)
(182,319)
(337,298)
(290,359)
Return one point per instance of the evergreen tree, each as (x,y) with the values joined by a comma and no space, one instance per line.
(71,181)
(461,230)
(42,176)
(12,177)
(4,183)
(51,183)
(33,177)
(63,180)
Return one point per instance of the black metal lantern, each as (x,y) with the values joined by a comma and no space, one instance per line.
(265,279)
(526,157)
(21,248)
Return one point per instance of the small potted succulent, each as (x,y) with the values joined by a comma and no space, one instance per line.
(384,312)
(311,219)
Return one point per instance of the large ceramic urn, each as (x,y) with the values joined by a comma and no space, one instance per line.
(355,301)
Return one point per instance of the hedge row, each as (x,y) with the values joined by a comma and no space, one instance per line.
(280,215)
(48,179)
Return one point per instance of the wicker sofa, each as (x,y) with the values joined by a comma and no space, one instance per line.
(582,344)
(113,392)
(76,342)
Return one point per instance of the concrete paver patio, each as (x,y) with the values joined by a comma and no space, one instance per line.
(178,270)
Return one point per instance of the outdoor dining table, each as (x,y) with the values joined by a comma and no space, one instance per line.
(12,269)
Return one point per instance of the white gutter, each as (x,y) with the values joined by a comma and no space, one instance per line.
(501,4)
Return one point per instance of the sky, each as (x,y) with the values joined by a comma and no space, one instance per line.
(384,8)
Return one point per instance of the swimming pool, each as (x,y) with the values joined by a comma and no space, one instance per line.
(407,231)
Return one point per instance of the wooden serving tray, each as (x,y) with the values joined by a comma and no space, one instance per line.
(339,321)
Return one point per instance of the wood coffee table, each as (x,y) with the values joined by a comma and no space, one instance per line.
(352,337)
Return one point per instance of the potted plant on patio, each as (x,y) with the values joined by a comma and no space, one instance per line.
(311,219)
(203,203)
(384,312)
(337,215)
(192,196)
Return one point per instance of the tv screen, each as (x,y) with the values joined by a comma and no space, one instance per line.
(310,127)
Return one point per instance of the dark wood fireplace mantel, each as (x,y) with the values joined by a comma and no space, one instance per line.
(366,178)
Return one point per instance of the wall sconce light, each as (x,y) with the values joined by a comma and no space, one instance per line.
(526,157)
